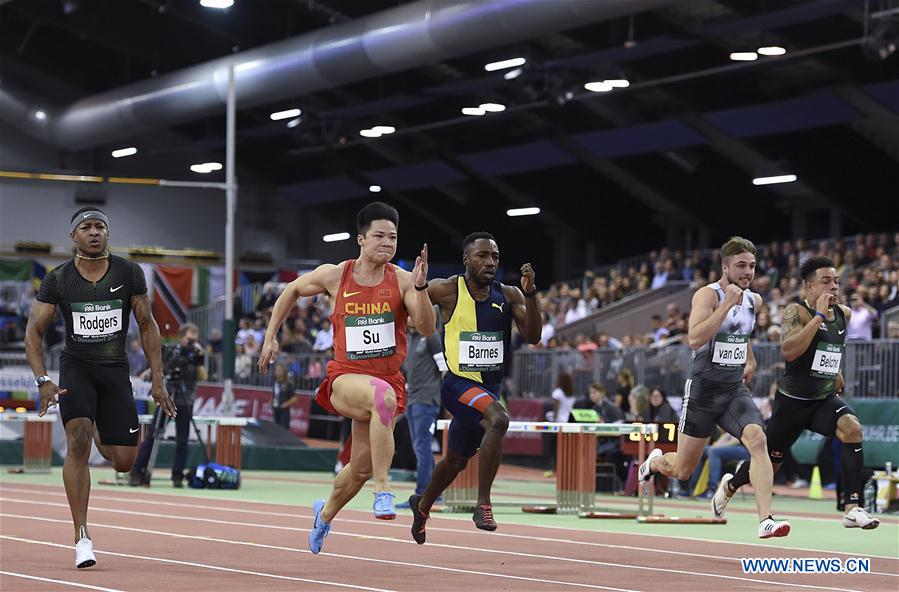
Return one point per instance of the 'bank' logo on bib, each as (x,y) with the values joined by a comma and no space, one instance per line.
(370,336)
(96,321)
(826,363)
(729,350)
(480,352)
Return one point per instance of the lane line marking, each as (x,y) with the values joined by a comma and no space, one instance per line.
(63,582)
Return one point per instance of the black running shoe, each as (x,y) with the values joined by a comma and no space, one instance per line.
(483,518)
(419,520)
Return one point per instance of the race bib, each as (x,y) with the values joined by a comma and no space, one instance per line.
(370,336)
(729,351)
(480,352)
(826,363)
(96,321)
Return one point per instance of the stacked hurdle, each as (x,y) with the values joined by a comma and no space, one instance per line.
(37,445)
(575,462)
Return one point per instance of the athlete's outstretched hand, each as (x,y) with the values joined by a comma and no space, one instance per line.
(420,271)
(50,394)
(527,278)
(269,354)
(163,398)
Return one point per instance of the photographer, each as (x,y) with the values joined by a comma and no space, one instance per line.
(183,365)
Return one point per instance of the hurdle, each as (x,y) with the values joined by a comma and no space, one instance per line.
(37,445)
(575,462)
(227,436)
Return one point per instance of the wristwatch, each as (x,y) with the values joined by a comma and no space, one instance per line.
(41,380)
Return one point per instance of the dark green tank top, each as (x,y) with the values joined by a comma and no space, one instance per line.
(813,374)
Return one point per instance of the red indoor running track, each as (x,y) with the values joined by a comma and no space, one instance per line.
(148,542)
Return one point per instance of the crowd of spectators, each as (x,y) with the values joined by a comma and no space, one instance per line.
(867,266)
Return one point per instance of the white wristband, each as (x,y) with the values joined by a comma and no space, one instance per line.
(440,361)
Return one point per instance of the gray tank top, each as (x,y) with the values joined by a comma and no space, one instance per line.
(722,359)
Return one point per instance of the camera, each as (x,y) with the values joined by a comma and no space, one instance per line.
(180,362)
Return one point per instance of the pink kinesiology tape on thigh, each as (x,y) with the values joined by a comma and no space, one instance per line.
(384,413)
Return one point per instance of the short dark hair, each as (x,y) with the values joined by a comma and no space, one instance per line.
(813,264)
(376,210)
(83,210)
(471,238)
(736,245)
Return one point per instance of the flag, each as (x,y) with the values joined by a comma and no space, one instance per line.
(171,297)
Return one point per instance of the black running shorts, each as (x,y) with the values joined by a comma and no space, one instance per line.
(707,404)
(102,394)
(789,416)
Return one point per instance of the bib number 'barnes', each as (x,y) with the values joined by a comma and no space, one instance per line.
(370,336)
(480,351)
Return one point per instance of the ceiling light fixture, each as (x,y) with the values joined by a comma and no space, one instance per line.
(40,115)
(492,107)
(220,4)
(339,236)
(130,151)
(598,87)
(206,167)
(279,115)
(513,74)
(294,122)
(772,50)
(369,133)
(374,188)
(384,129)
(472,111)
(774,180)
(523,211)
(502,65)
(617,83)
(744,56)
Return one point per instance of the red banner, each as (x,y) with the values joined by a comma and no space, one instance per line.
(171,297)
(525,443)
(253,402)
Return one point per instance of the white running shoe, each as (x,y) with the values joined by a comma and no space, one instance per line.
(858,517)
(84,553)
(769,527)
(644,473)
(720,499)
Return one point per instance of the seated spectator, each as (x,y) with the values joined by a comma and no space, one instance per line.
(672,314)
(324,339)
(244,329)
(639,404)
(137,361)
(268,298)
(252,347)
(597,400)
(659,332)
(243,364)
(660,410)
(214,346)
(625,380)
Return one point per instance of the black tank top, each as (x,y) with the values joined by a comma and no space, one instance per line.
(96,316)
(813,374)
